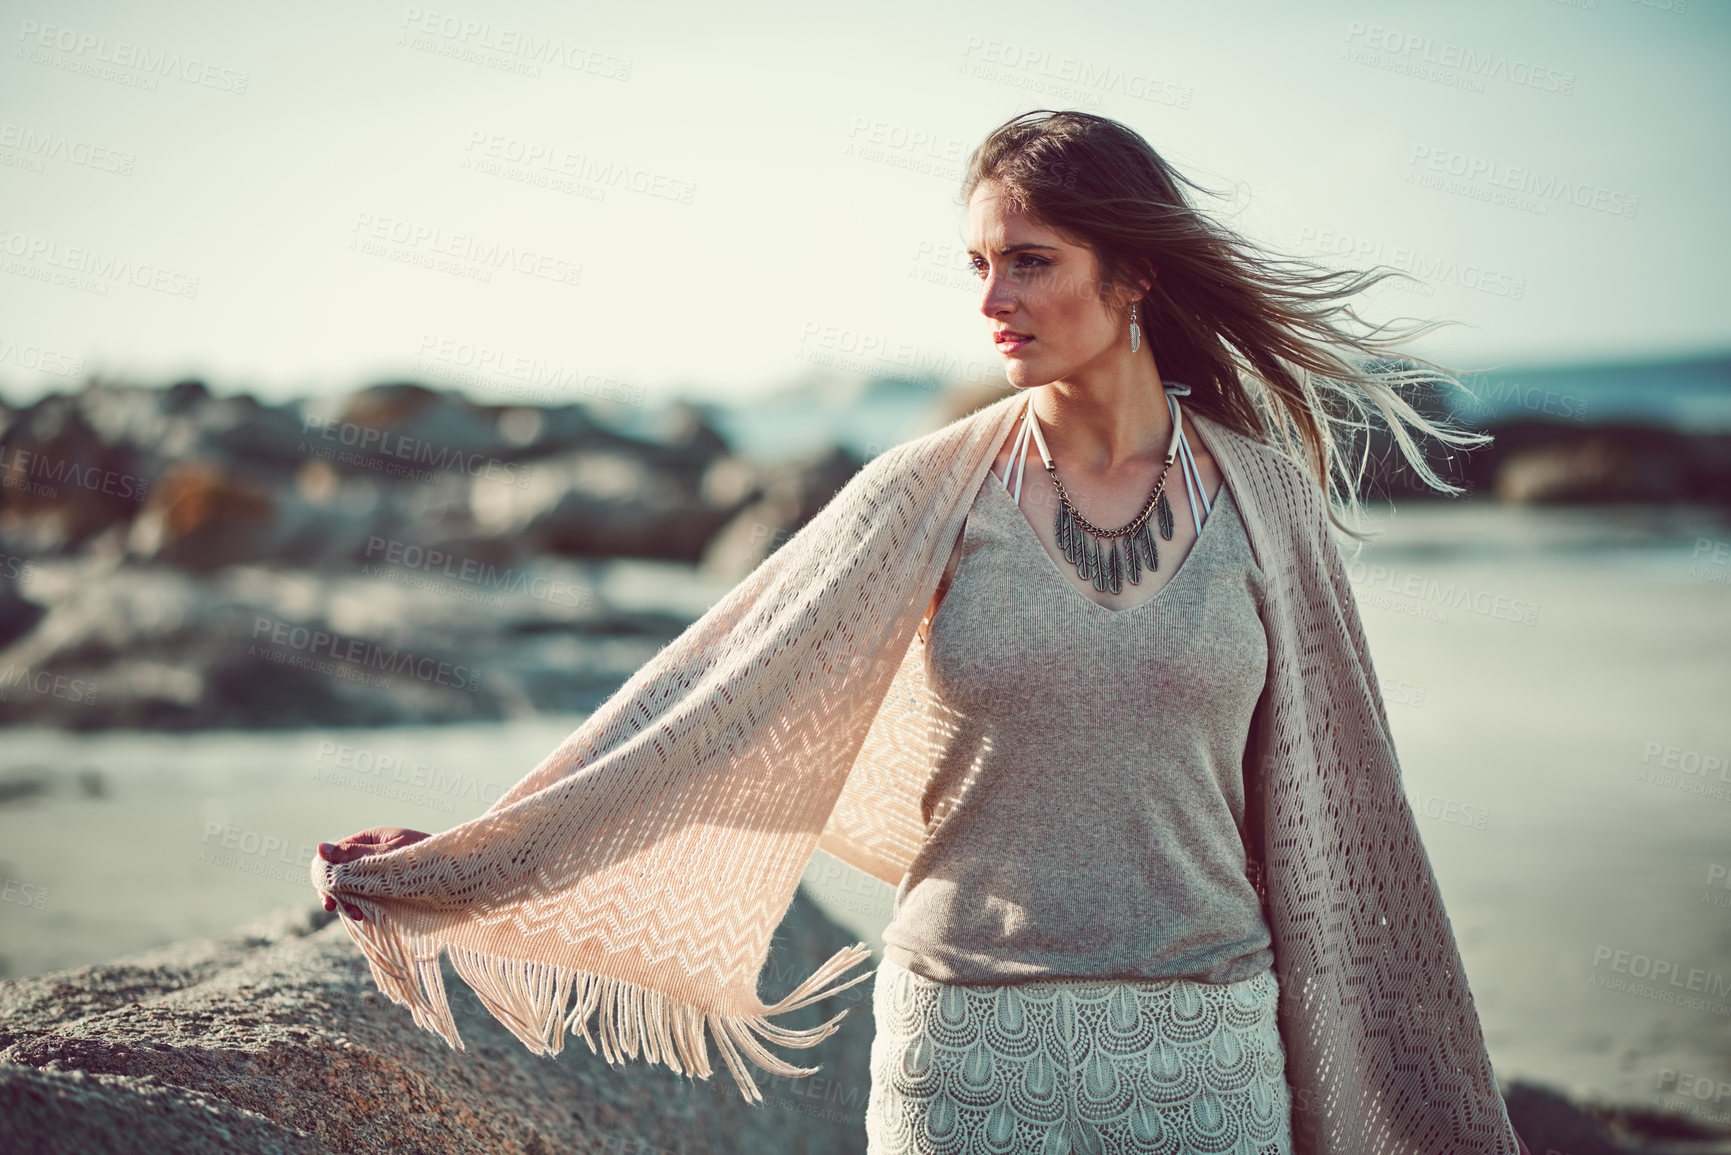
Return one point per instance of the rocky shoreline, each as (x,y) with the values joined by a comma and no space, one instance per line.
(175,560)
(273,1039)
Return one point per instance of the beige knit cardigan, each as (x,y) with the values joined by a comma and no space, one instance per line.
(638,873)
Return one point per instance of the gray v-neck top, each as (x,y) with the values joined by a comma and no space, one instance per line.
(1099,836)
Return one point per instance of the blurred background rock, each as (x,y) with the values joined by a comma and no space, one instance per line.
(166,544)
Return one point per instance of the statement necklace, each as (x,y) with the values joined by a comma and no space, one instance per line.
(1107,556)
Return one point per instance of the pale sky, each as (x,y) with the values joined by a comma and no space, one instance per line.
(301,199)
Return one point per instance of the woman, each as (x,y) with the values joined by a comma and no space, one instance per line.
(1057,707)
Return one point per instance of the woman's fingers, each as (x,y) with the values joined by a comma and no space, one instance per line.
(378,840)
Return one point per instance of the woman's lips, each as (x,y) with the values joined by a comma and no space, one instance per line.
(1011,342)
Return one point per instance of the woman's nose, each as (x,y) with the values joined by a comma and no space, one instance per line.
(995,297)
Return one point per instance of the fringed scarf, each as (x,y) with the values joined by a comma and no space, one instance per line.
(636,876)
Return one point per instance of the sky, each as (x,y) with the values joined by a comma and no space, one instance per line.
(575,201)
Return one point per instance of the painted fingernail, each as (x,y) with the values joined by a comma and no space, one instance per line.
(327,851)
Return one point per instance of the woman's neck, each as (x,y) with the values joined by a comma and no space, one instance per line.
(1106,418)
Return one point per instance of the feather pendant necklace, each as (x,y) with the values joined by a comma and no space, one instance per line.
(1110,557)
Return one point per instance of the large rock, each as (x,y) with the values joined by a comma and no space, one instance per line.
(789,495)
(600,503)
(274,1038)
(1552,1124)
(1543,461)
(184,478)
(64,482)
(408,638)
(18,615)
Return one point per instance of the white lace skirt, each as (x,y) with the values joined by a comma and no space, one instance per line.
(1054,1067)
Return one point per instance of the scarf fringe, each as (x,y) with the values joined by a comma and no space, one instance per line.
(530,999)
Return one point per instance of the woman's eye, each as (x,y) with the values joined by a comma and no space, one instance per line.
(1023,261)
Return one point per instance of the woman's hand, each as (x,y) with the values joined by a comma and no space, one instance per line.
(378,840)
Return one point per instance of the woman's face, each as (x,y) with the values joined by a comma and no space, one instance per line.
(1041,294)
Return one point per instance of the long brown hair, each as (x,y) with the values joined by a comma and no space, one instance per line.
(1269,344)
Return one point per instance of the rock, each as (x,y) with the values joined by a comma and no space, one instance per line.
(18,616)
(274,1038)
(1542,460)
(403,430)
(600,503)
(183,478)
(409,637)
(202,516)
(1549,1122)
(1551,462)
(22,782)
(790,495)
(64,482)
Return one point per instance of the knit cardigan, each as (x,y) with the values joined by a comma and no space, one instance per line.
(638,873)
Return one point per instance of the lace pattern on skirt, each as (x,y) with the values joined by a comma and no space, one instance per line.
(1054,1067)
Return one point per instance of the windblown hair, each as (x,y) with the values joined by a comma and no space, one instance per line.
(1268,344)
